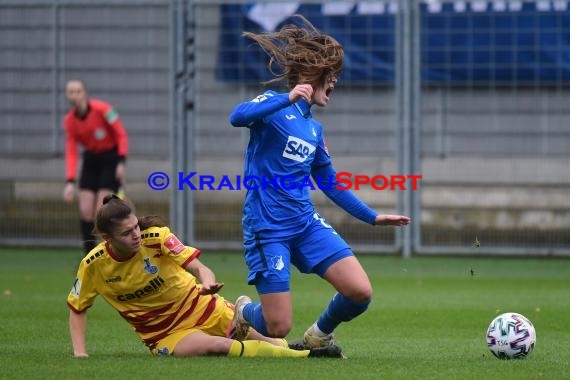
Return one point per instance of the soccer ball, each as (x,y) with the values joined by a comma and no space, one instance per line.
(511,336)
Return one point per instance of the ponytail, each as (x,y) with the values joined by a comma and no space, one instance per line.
(112,211)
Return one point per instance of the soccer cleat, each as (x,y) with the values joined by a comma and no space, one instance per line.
(312,340)
(330,351)
(297,345)
(240,327)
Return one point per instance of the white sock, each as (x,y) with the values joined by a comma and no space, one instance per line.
(317,330)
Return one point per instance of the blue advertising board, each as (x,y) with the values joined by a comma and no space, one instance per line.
(462,42)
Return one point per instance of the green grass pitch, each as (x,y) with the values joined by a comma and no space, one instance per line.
(427,321)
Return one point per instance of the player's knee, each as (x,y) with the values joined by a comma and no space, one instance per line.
(279,329)
(220,346)
(362,294)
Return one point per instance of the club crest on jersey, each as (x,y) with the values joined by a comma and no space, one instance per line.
(298,149)
(148,267)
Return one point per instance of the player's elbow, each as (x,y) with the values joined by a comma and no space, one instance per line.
(238,120)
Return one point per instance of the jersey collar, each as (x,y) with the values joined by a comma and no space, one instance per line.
(114,255)
(304,108)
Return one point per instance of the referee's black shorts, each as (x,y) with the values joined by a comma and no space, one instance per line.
(98,171)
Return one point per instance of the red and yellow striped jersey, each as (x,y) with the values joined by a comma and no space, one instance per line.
(151,290)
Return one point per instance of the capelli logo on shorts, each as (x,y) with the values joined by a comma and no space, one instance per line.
(297,149)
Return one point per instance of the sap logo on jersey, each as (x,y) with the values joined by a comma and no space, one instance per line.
(298,149)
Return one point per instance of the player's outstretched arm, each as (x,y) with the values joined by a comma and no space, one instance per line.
(392,220)
(77,329)
(206,276)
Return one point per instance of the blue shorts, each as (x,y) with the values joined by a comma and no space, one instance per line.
(313,250)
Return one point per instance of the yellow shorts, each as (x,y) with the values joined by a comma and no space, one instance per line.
(218,324)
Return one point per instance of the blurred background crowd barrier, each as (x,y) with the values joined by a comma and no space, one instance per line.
(472,95)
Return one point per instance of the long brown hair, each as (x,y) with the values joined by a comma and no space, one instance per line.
(300,52)
(148,221)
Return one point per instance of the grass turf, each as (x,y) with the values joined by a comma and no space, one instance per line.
(428,320)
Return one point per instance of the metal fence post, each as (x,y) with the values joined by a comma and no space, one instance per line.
(406,77)
(182,152)
(55,69)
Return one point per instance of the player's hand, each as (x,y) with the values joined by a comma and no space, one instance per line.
(304,91)
(210,288)
(392,220)
(68,192)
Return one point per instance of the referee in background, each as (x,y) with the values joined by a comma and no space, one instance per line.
(95,126)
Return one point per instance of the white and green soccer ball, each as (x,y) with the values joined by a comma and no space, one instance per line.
(511,336)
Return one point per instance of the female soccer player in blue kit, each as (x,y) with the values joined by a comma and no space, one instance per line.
(280,224)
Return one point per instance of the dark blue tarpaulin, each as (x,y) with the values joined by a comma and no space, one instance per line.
(511,47)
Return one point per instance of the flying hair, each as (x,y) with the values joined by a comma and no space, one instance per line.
(300,52)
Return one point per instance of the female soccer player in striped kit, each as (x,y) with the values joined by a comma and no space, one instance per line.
(96,126)
(161,288)
(280,224)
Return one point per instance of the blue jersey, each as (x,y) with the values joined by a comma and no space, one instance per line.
(285,142)
(286,145)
